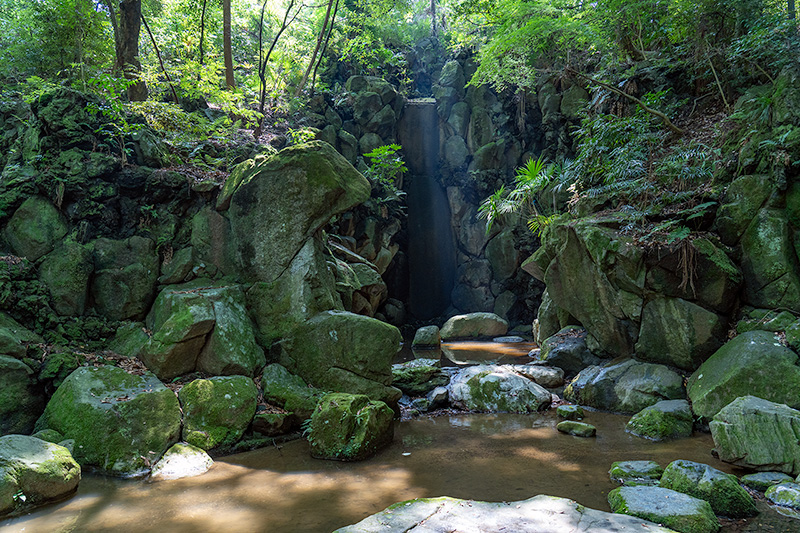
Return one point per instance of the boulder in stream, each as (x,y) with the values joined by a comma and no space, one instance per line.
(667,419)
(217,411)
(34,472)
(634,473)
(427,336)
(721,490)
(497,388)
(567,350)
(675,510)
(181,460)
(761,481)
(576,429)
(785,495)
(419,376)
(474,325)
(349,427)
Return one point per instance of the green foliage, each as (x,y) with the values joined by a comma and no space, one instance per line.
(386,169)
(300,135)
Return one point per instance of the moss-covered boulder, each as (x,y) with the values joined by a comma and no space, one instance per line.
(625,386)
(474,325)
(769,262)
(667,419)
(35,228)
(674,510)
(576,429)
(753,363)
(342,351)
(419,376)
(281,201)
(785,495)
(126,273)
(758,434)
(567,350)
(65,272)
(721,490)
(740,204)
(217,411)
(679,333)
(289,392)
(427,336)
(349,427)
(493,388)
(634,473)
(303,290)
(274,424)
(570,412)
(121,423)
(21,398)
(761,481)
(33,472)
(180,461)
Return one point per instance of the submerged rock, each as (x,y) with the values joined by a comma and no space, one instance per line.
(181,460)
(785,495)
(419,376)
(474,325)
(634,473)
(675,510)
(761,481)
(34,472)
(626,386)
(121,423)
(217,411)
(349,427)
(540,514)
(753,363)
(667,419)
(721,490)
(493,388)
(758,434)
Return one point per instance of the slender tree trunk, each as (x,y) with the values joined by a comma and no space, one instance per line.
(160,61)
(791,9)
(320,38)
(202,35)
(433,18)
(226,44)
(130,15)
(324,47)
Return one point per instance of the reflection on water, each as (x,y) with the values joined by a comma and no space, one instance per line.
(462,353)
(487,457)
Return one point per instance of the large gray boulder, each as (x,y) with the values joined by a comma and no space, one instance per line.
(180,461)
(625,386)
(676,510)
(474,325)
(721,490)
(121,423)
(125,277)
(33,472)
(567,350)
(758,434)
(540,514)
(279,202)
(753,363)
(495,388)
(342,351)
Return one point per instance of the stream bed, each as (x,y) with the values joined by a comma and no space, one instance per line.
(494,457)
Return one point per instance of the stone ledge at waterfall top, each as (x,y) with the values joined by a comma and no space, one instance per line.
(540,514)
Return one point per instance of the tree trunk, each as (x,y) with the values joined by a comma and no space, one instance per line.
(433,18)
(791,9)
(320,39)
(226,43)
(130,15)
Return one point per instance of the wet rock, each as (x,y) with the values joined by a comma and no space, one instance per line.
(144,413)
(753,363)
(570,412)
(626,386)
(455,151)
(502,255)
(540,514)
(742,201)
(349,427)
(211,237)
(667,419)
(21,400)
(474,325)
(438,397)
(217,411)
(274,424)
(267,230)
(125,278)
(576,429)
(35,228)
(289,392)
(337,350)
(427,336)
(419,376)
(761,481)
(635,473)
(785,495)
(492,388)
(546,376)
(180,461)
(34,472)
(567,350)
(459,119)
(679,333)
(65,272)
(721,490)
(758,434)
(672,509)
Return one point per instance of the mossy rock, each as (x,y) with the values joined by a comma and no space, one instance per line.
(349,427)
(668,419)
(672,509)
(721,490)
(217,411)
(65,272)
(785,495)
(290,392)
(570,412)
(761,481)
(121,423)
(180,461)
(474,325)
(744,197)
(635,473)
(35,228)
(492,388)
(34,472)
(576,429)
(419,376)
(21,398)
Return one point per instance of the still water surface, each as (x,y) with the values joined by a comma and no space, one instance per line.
(501,457)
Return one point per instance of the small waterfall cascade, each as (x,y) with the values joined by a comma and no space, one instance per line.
(431,248)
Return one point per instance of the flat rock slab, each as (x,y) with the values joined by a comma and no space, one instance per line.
(677,510)
(540,514)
